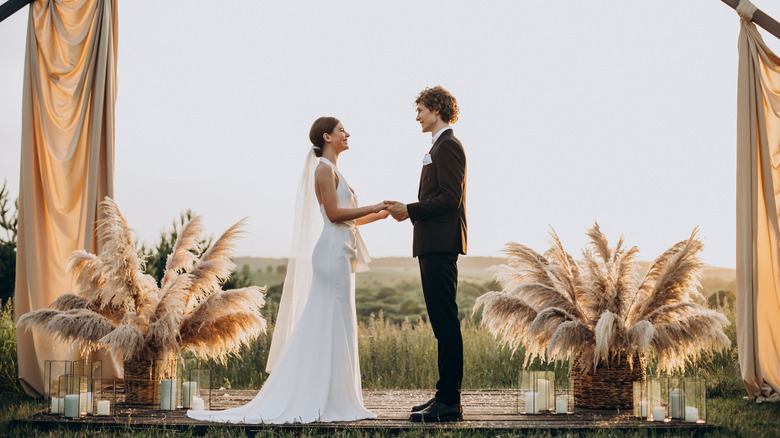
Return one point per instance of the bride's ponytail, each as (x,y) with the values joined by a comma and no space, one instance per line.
(321,126)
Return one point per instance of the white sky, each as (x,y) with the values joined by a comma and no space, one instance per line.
(622,112)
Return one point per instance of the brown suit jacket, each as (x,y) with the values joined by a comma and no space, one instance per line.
(439,217)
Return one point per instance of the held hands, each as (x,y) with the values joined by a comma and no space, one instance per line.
(398,210)
(380,209)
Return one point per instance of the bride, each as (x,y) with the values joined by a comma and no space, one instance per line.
(313,360)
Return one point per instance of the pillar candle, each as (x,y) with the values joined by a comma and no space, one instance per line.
(643,409)
(188,391)
(659,413)
(531,403)
(674,404)
(86,402)
(103,407)
(197,403)
(561,406)
(55,405)
(72,405)
(167,394)
(691,414)
(542,386)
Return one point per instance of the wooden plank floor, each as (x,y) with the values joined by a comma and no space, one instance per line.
(482,409)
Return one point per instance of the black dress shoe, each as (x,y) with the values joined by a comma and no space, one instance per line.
(438,412)
(419,408)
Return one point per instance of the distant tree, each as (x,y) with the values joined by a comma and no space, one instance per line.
(471,290)
(410,307)
(281,269)
(386,292)
(8,223)
(155,257)
(240,278)
(269,269)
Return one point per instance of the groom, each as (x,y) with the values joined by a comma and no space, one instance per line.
(439,220)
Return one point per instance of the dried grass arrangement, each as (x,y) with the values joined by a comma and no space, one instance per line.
(119,307)
(597,315)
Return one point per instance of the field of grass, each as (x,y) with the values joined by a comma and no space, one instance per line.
(397,351)
(393,284)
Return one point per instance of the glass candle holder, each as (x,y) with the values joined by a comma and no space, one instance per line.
(196,392)
(694,400)
(104,397)
(52,370)
(537,392)
(564,393)
(650,399)
(165,384)
(73,393)
(90,370)
(676,393)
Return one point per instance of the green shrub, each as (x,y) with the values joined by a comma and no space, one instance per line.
(9,370)
(8,223)
(721,370)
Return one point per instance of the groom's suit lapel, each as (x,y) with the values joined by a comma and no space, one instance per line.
(426,174)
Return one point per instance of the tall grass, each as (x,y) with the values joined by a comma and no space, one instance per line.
(404,356)
(721,370)
(9,369)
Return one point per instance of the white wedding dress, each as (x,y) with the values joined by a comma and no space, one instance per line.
(316,377)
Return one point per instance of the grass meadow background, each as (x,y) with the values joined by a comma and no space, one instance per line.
(398,351)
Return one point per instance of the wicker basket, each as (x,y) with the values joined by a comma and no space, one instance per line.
(139,385)
(609,386)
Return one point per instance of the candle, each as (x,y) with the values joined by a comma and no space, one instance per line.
(72,405)
(674,404)
(561,406)
(167,394)
(188,391)
(542,386)
(197,403)
(57,405)
(104,407)
(531,403)
(643,409)
(691,414)
(86,403)
(659,413)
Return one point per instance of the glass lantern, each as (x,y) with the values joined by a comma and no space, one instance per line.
(73,395)
(676,394)
(537,392)
(650,399)
(104,397)
(196,392)
(90,370)
(52,370)
(694,400)
(165,384)
(564,393)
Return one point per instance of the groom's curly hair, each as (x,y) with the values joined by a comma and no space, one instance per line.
(441,100)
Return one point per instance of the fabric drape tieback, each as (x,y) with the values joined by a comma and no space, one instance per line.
(746,9)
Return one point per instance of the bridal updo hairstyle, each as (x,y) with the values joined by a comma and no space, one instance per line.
(439,99)
(321,126)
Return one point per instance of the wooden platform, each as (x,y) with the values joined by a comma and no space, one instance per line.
(483,409)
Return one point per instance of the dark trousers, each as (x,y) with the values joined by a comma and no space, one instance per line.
(439,274)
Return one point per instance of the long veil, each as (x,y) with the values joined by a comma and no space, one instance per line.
(297,282)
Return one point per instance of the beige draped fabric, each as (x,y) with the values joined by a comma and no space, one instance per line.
(758,199)
(67,163)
